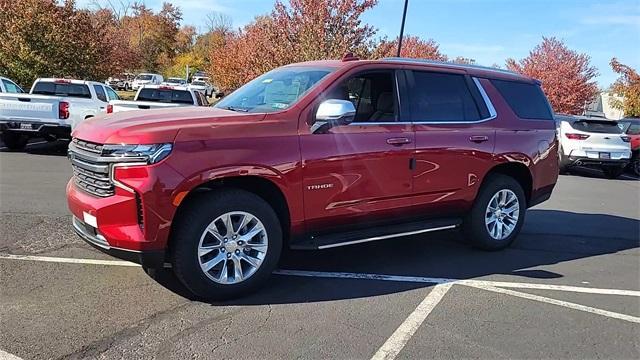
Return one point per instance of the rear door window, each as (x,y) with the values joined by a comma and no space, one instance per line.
(527,100)
(11,87)
(100,93)
(442,97)
(166,96)
(62,89)
(597,126)
(112,95)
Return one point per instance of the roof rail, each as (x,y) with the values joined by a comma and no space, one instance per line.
(462,66)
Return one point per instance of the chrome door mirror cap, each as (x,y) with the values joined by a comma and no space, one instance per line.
(333,112)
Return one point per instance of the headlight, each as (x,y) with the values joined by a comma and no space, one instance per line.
(149,153)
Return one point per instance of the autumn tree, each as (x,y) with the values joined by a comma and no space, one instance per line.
(153,35)
(567,76)
(40,38)
(302,30)
(412,47)
(627,85)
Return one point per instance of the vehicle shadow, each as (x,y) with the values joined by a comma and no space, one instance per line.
(39,146)
(548,237)
(595,173)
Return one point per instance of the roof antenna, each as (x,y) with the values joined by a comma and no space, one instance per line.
(404,16)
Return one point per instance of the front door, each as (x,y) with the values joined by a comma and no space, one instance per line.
(359,174)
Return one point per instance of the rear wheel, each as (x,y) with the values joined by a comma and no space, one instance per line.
(14,141)
(226,244)
(635,166)
(497,214)
(612,172)
(563,161)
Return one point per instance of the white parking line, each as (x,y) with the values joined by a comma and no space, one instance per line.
(431,280)
(566,304)
(6,356)
(394,344)
(68,260)
(363,276)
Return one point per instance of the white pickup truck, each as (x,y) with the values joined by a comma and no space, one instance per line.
(51,110)
(159,97)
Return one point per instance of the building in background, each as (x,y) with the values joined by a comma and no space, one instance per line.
(601,107)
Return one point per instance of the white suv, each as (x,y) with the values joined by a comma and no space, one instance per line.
(592,142)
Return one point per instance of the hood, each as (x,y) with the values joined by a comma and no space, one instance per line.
(158,125)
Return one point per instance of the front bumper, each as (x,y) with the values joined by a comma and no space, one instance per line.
(149,258)
(36,128)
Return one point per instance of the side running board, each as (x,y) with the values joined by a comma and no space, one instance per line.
(329,241)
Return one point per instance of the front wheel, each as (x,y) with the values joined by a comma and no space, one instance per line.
(497,215)
(226,244)
(14,141)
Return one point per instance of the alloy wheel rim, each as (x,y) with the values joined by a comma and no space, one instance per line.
(232,247)
(502,214)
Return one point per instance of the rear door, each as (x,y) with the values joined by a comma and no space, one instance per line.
(454,138)
(358,174)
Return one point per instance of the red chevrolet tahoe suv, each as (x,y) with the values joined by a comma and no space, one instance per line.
(314,155)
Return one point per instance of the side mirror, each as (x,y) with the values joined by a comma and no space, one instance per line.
(332,113)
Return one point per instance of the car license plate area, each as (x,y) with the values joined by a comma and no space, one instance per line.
(24,126)
(604,155)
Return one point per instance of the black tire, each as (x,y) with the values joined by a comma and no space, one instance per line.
(14,141)
(474,227)
(563,162)
(635,166)
(192,222)
(612,172)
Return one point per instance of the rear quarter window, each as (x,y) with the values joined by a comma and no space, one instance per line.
(526,100)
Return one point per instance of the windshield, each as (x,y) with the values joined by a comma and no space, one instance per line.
(633,129)
(199,83)
(143,77)
(175,81)
(165,96)
(274,91)
(597,126)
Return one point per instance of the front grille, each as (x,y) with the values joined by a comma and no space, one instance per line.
(87,146)
(89,173)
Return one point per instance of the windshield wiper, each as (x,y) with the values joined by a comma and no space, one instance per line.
(235,109)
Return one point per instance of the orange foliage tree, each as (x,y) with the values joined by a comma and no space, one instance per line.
(412,47)
(566,75)
(627,85)
(300,31)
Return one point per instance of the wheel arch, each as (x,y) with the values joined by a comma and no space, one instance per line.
(518,171)
(262,186)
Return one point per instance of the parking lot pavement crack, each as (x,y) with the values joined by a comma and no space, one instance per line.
(258,329)
(96,348)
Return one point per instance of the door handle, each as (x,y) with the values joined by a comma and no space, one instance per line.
(478,138)
(398,141)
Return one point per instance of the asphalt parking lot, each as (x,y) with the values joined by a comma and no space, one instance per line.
(568,288)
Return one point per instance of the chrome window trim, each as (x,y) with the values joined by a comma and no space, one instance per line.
(487,101)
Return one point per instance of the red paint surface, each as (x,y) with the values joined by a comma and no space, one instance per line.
(360,176)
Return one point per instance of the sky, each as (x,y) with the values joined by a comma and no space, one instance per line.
(488,31)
